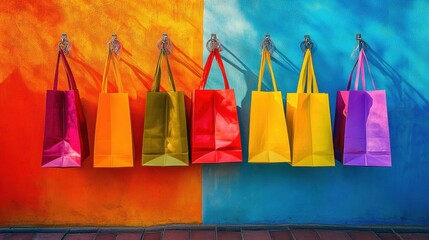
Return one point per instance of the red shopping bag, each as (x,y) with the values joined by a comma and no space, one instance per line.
(215,134)
(65,139)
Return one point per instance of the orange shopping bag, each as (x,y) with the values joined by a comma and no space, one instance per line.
(113,146)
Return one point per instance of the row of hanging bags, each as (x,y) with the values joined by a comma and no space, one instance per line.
(215,131)
(65,141)
(165,136)
(361,134)
(309,121)
(113,143)
(268,137)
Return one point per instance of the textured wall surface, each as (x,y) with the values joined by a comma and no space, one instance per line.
(229,193)
(30,31)
(397,32)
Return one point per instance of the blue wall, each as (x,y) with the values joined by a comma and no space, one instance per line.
(398,35)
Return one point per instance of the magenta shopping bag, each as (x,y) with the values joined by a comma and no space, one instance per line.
(66,139)
(361,135)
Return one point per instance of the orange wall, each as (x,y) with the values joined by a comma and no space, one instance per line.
(29,33)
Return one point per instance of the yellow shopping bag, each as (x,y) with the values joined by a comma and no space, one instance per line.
(309,121)
(268,138)
(113,144)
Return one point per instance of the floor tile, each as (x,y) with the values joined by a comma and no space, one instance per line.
(106,236)
(203,235)
(229,228)
(414,236)
(129,236)
(226,235)
(256,235)
(3,236)
(281,235)
(83,230)
(49,236)
(80,236)
(305,234)
(363,235)
(333,235)
(388,236)
(152,236)
(176,235)
(20,236)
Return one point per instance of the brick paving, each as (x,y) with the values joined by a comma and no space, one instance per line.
(212,232)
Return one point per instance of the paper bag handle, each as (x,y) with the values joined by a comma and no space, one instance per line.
(361,70)
(111,59)
(69,74)
(213,54)
(266,57)
(157,78)
(307,78)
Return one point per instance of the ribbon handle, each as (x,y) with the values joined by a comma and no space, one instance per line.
(266,57)
(213,54)
(111,59)
(70,79)
(361,72)
(158,70)
(307,78)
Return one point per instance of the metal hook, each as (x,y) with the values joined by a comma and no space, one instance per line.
(165,43)
(267,44)
(306,44)
(114,44)
(64,44)
(213,43)
(361,43)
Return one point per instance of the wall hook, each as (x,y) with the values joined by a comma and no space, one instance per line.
(65,44)
(306,44)
(213,43)
(267,44)
(114,44)
(361,43)
(165,43)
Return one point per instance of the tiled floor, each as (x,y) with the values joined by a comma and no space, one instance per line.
(211,232)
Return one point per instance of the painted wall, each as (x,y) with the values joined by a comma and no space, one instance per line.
(231,193)
(397,32)
(29,33)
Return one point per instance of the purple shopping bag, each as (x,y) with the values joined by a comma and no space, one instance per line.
(361,135)
(66,139)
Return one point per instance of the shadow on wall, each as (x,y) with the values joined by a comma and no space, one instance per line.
(186,61)
(403,90)
(251,81)
(287,63)
(144,78)
(187,64)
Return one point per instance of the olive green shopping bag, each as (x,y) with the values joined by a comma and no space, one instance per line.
(165,140)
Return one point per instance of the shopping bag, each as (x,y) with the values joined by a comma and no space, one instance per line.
(215,130)
(309,121)
(165,139)
(113,144)
(361,123)
(65,141)
(268,138)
